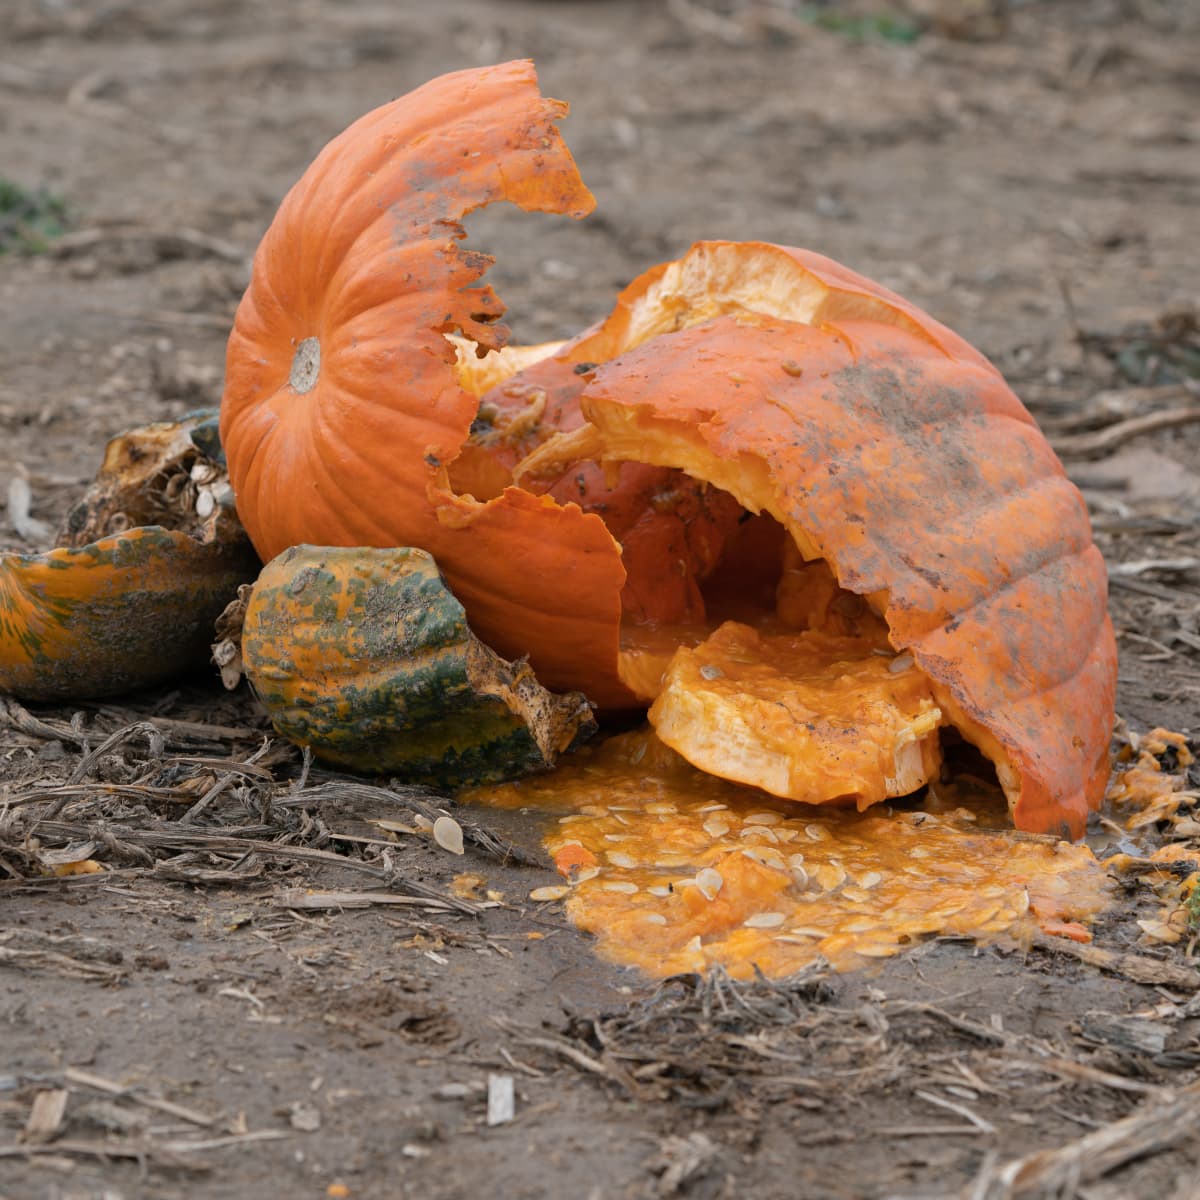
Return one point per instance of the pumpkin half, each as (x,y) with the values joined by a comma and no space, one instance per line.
(755,435)
(145,562)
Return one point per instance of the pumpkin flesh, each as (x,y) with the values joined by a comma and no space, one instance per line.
(807,716)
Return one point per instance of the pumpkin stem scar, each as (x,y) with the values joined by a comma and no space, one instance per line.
(306,366)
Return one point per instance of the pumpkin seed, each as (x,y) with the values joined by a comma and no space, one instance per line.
(654,918)
(817,833)
(759,831)
(621,860)
(448,834)
(876,949)
(710,671)
(764,920)
(716,827)
(900,663)
(762,818)
(620,885)
(709,882)
(870,879)
(765,856)
(858,925)
(555,892)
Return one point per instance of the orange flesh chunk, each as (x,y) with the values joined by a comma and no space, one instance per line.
(691,871)
(807,716)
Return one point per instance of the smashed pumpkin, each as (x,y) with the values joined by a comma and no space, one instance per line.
(144,563)
(755,434)
(365,657)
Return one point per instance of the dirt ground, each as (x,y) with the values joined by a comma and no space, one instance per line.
(1027,172)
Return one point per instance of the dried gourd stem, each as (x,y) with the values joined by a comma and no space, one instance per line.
(63,794)
(89,760)
(1138,967)
(572,1053)
(1104,441)
(17,717)
(962,1024)
(1155,1126)
(174,237)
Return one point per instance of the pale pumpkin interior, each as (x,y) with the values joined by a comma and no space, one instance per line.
(790,683)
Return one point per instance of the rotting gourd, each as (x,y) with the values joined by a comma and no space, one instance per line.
(364,656)
(144,563)
(754,434)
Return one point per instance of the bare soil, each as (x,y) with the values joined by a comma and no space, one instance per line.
(1027,172)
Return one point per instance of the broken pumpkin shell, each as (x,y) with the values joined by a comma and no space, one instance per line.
(888,447)
(128,597)
(743,379)
(365,656)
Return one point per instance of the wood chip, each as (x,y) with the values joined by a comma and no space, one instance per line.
(45,1116)
(501,1099)
(1157,1125)
(300,898)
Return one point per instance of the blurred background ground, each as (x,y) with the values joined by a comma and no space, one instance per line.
(1027,172)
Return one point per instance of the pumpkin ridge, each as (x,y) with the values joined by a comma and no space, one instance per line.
(1007,585)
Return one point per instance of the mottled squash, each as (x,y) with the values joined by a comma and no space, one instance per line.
(365,656)
(145,562)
